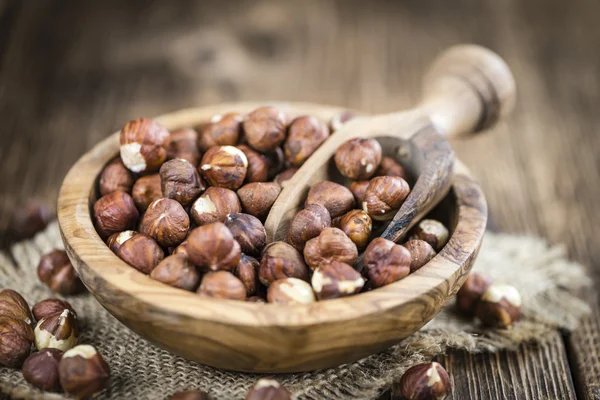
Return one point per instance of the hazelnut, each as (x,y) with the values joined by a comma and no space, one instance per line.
(499,306)
(141,252)
(176,270)
(16,337)
(222,285)
(47,307)
(290,291)
(180,181)
(115,212)
(428,381)
(358,189)
(215,205)
(391,167)
(285,176)
(41,369)
(357,225)
(166,222)
(305,135)
(224,166)
(307,224)
(83,371)
(146,190)
(267,388)
(275,161)
(386,262)
(420,252)
(223,130)
(114,177)
(248,231)
(183,145)
(213,247)
(331,244)
(257,198)
(56,271)
(256,299)
(257,165)
(181,249)
(358,159)
(58,331)
(247,272)
(471,291)
(115,240)
(337,199)
(13,305)
(190,395)
(335,279)
(144,144)
(431,231)
(339,119)
(280,260)
(384,196)
(265,128)
(29,219)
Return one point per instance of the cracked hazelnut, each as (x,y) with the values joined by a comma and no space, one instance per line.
(471,291)
(257,198)
(339,119)
(115,240)
(82,371)
(146,190)
(166,222)
(190,395)
(285,176)
(48,307)
(431,231)
(337,199)
(115,212)
(499,306)
(29,219)
(386,262)
(223,130)
(141,252)
(224,166)
(222,285)
(114,177)
(357,225)
(335,279)
(358,159)
(305,135)
(384,196)
(247,272)
(390,167)
(144,144)
(358,189)
(16,337)
(275,161)
(248,231)
(265,128)
(290,291)
(258,165)
(256,299)
(176,270)
(428,381)
(331,244)
(180,181)
(183,145)
(41,369)
(56,271)
(420,252)
(58,331)
(307,224)
(280,260)
(213,247)
(13,305)
(215,205)
(268,388)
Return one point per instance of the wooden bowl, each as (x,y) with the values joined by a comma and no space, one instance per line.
(265,337)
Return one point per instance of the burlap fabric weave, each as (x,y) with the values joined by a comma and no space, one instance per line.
(546,280)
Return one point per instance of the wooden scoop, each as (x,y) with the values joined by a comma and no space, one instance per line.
(467,89)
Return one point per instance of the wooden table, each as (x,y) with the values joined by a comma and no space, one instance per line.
(72,72)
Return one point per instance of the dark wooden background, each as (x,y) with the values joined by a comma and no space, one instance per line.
(72,72)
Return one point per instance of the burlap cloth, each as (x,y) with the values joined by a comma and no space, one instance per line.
(546,280)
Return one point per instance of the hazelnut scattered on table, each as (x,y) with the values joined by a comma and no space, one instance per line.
(82,371)
(190,395)
(29,219)
(41,369)
(48,307)
(428,381)
(268,388)
(56,271)
(499,306)
(58,330)
(16,337)
(13,305)
(471,291)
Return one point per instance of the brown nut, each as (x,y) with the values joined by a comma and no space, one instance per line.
(141,252)
(190,395)
(215,205)
(336,279)
(114,177)
(337,199)
(307,224)
(305,135)
(146,190)
(338,120)
(180,181)
(257,198)
(213,247)
(386,262)
(275,161)
(391,167)
(267,388)
(258,165)
(428,381)
(166,222)
(265,128)
(420,252)
(144,144)
(16,337)
(499,306)
(256,299)
(41,369)
(48,307)
(13,305)
(285,176)
(115,240)
(384,196)
(431,231)
(358,159)
(331,245)
(280,260)
(176,270)
(58,331)
(290,291)
(181,249)
(56,271)
(247,272)
(248,231)
(224,166)
(82,371)
(183,145)
(471,291)
(115,212)
(29,219)
(357,225)
(358,189)
(223,130)
(222,285)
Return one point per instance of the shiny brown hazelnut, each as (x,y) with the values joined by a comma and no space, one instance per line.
(82,371)
(223,130)
(146,190)
(224,166)
(213,247)
(59,330)
(337,199)
(431,231)
(176,270)
(16,337)
(141,252)
(29,219)
(331,244)
(248,231)
(222,285)
(115,212)
(275,161)
(428,381)
(13,305)
(166,222)
(215,205)
(358,189)
(282,177)
(499,306)
(181,249)
(420,252)
(265,128)
(384,196)
(183,145)
(339,119)
(115,240)
(41,369)
(307,224)
(258,165)
(114,177)
(256,299)
(190,395)
(48,307)
(247,272)
(257,198)
(280,260)
(386,262)
(268,389)
(180,181)
(357,225)
(471,291)
(391,167)
(144,144)
(335,279)
(305,135)
(358,159)
(290,291)
(56,271)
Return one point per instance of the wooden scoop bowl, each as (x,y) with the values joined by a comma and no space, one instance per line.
(275,338)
